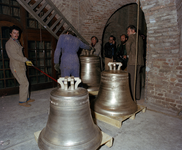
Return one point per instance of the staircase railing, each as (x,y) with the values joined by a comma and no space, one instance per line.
(48,15)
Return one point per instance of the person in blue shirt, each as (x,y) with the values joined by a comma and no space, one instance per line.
(68,46)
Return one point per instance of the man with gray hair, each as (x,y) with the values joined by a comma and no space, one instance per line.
(131,52)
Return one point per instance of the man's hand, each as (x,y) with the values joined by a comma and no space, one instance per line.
(56,67)
(29,63)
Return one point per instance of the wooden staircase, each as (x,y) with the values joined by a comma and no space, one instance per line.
(48,15)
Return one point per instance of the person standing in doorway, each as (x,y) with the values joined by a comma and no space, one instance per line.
(131,52)
(110,51)
(97,48)
(17,65)
(121,54)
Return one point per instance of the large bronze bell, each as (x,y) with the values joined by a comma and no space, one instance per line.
(90,71)
(114,98)
(70,125)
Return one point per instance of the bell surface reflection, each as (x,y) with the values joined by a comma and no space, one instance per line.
(70,125)
(114,98)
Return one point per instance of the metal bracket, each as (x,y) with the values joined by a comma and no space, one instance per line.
(86,52)
(63,81)
(110,64)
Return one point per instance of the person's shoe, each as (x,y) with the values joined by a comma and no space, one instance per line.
(25,104)
(30,100)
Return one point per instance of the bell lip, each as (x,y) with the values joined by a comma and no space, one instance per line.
(115,113)
(96,141)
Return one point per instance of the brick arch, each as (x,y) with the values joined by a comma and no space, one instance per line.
(118,22)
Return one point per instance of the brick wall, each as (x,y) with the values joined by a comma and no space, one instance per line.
(163,85)
(70,9)
(92,14)
(164,62)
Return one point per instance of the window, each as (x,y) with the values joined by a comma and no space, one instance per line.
(40,53)
(32,23)
(10,7)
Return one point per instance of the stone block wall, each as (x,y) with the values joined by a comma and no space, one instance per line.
(163,19)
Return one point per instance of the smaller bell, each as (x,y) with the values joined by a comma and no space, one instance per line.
(114,98)
(90,70)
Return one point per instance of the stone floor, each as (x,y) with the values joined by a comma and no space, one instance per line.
(148,131)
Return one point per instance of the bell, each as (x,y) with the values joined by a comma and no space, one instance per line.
(70,125)
(114,98)
(90,71)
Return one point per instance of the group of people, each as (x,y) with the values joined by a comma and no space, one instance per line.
(67,47)
(116,54)
(125,53)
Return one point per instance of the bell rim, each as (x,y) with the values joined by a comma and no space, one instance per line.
(90,56)
(94,140)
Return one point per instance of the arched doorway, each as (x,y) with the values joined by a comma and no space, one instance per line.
(119,21)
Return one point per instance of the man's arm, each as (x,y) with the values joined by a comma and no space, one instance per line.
(124,48)
(57,52)
(84,46)
(13,54)
(118,50)
(115,56)
(128,46)
(106,49)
